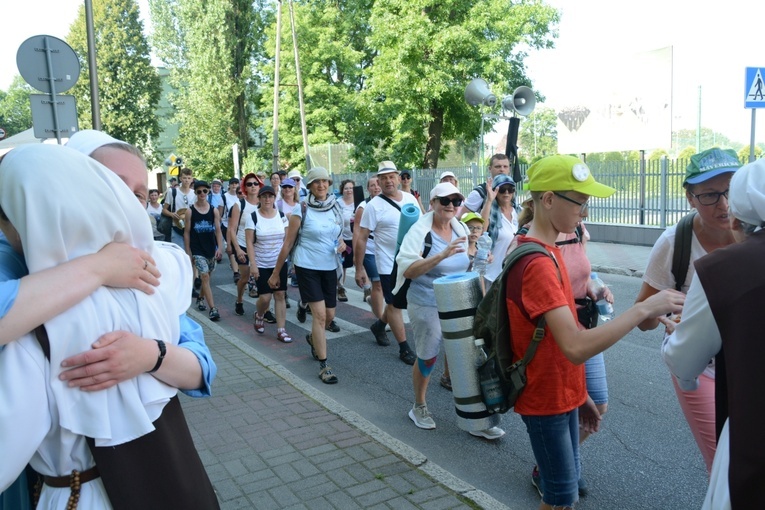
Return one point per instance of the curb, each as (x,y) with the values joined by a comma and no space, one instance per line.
(403,450)
(638,273)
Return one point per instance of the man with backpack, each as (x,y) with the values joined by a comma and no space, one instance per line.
(543,317)
(498,164)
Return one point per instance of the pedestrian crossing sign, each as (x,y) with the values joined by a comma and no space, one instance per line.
(754,88)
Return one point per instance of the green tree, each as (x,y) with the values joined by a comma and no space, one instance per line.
(15,111)
(334,58)
(428,51)
(658,154)
(538,136)
(686,153)
(743,154)
(128,85)
(209,47)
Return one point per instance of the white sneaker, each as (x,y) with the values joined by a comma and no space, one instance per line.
(490,434)
(421,417)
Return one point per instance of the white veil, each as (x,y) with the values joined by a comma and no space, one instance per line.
(65,205)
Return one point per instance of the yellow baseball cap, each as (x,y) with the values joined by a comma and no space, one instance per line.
(470,216)
(564,173)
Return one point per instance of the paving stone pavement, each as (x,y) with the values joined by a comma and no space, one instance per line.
(269,440)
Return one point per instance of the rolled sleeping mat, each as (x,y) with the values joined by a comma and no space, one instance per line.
(457,297)
(410,213)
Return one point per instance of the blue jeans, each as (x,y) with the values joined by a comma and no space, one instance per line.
(555,442)
(597,386)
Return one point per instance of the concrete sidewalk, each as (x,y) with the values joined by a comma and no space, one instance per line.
(270,440)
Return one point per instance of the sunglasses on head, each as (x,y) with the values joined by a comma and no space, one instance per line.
(252,183)
(200,191)
(444,201)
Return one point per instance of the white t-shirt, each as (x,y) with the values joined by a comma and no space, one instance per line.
(183,200)
(382,220)
(269,237)
(371,239)
(499,249)
(658,271)
(155,211)
(317,245)
(348,210)
(230,201)
(248,209)
(474,201)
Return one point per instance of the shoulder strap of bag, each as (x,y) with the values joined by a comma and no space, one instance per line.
(174,193)
(391,202)
(681,258)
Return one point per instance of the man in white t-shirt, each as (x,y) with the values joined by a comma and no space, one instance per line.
(381,217)
(177,200)
(498,164)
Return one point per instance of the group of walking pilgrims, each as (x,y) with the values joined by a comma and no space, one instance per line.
(291,229)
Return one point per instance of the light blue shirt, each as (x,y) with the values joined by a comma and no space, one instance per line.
(316,247)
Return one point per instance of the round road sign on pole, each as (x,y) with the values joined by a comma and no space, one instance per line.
(38,70)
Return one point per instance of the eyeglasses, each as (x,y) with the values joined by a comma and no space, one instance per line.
(710,198)
(252,183)
(475,229)
(444,201)
(582,205)
(201,191)
(506,188)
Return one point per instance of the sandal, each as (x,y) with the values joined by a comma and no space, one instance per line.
(260,324)
(282,336)
(446,382)
(326,376)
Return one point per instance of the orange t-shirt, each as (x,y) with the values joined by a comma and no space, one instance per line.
(554,385)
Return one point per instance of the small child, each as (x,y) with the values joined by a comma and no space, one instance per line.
(475,224)
(204,242)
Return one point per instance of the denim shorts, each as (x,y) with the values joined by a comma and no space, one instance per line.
(597,386)
(555,442)
(370,265)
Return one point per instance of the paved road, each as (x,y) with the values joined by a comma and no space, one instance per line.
(644,457)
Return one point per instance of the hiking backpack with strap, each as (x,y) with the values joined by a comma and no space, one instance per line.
(492,323)
(681,258)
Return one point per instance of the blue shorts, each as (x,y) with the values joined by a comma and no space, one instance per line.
(370,265)
(555,442)
(597,386)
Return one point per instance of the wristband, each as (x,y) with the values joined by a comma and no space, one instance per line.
(162,352)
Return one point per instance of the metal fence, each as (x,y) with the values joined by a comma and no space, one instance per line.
(649,192)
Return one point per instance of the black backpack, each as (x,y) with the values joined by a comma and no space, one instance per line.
(681,258)
(492,323)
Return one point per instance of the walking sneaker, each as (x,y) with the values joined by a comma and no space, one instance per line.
(309,339)
(260,325)
(536,480)
(282,336)
(326,375)
(269,317)
(378,330)
(490,434)
(239,308)
(214,315)
(333,327)
(201,306)
(301,310)
(420,415)
(407,356)
(341,295)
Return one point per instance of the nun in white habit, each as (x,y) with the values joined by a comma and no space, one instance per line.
(63,205)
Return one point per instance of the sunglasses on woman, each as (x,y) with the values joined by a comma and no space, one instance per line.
(506,188)
(444,201)
(287,186)
(252,183)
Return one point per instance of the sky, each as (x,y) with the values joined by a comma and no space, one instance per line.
(713,44)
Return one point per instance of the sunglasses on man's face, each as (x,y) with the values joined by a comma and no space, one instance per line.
(445,201)
(201,191)
(252,183)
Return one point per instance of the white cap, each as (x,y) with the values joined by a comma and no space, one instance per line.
(445,189)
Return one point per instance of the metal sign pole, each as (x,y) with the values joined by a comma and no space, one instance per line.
(52,80)
(751,137)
